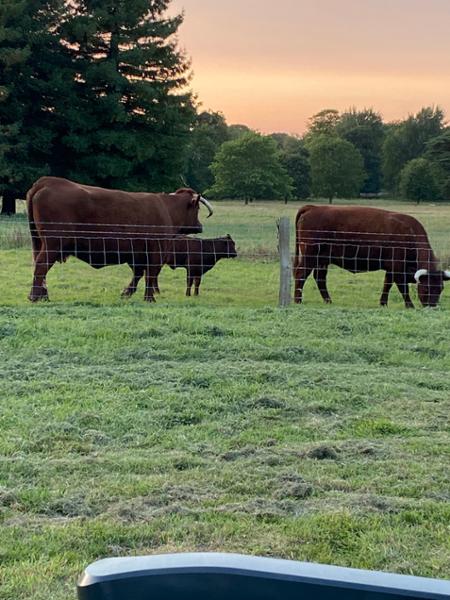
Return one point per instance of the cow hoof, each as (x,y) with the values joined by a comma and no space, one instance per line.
(149,299)
(126,293)
(35,299)
(327,301)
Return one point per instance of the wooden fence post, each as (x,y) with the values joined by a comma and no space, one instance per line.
(285,262)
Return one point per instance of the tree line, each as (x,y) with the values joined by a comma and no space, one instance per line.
(96,91)
(344,154)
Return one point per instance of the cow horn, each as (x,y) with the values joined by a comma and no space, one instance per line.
(207,204)
(420,273)
(447,274)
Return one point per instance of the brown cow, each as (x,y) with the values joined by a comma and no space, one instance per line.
(105,227)
(196,255)
(361,239)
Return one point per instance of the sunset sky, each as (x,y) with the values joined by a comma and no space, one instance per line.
(271,65)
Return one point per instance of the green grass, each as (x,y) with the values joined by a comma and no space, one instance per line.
(316,433)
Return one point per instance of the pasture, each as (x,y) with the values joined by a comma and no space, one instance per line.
(316,433)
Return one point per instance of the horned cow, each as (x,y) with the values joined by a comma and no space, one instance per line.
(106,227)
(361,239)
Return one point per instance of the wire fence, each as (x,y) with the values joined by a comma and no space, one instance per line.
(405,259)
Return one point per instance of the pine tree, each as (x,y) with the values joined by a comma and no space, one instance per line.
(30,75)
(131,119)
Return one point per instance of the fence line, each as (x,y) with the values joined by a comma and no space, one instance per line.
(146,248)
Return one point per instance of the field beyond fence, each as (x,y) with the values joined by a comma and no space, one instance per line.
(220,423)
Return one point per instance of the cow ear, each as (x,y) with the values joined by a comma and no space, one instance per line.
(195,199)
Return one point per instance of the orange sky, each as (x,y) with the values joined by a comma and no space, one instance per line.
(271,65)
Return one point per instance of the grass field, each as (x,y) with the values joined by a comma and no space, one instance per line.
(318,432)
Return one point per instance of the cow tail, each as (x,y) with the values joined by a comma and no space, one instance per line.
(300,213)
(35,239)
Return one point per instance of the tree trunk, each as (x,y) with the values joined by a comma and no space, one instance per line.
(9,203)
(330,200)
(246,201)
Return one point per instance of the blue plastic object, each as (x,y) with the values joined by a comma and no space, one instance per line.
(210,576)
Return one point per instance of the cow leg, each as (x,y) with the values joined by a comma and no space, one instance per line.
(37,247)
(138,272)
(320,275)
(404,291)
(197,282)
(189,282)
(151,282)
(43,263)
(301,274)
(388,281)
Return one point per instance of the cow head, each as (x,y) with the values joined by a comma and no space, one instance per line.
(230,246)
(430,285)
(191,201)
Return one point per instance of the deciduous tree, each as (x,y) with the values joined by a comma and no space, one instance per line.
(209,133)
(365,130)
(418,181)
(250,168)
(407,140)
(337,167)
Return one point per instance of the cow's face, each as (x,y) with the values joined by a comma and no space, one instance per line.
(430,285)
(191,223)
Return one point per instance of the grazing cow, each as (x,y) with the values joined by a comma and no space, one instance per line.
(361,239)
(197,256)
(106,227)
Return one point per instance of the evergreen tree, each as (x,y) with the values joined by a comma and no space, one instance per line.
(31,81)
(130,121)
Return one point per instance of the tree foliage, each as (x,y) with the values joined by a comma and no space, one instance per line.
(438,152)
(295,159)
(337,167)
(323,123)
(209,133)
(33,67)
(365,130)
(407,140)
(92,90)
(250,168)
(418,181)
(130,121)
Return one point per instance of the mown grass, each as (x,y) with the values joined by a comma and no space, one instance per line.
(219,423)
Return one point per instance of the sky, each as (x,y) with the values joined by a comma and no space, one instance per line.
(271,65)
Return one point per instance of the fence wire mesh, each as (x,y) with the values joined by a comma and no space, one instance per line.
(253,272)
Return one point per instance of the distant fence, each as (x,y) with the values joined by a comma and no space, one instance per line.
(208,576)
